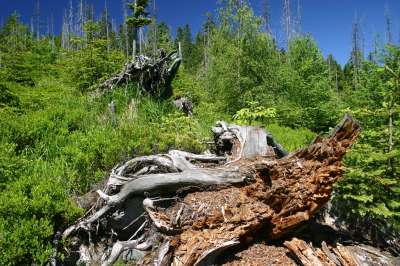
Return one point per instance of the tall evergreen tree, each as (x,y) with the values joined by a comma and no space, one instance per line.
(139,19)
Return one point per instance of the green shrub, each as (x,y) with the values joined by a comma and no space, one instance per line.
(31,209)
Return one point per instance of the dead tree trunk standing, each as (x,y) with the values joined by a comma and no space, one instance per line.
(37,19)
(185,209)
(357,51)
(388,22)
(287,22)
(298,19)
(266,14)
(107,29)
(125,29)
(155,34)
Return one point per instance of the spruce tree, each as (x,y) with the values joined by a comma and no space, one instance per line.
(139,18)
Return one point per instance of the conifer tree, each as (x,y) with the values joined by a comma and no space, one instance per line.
(139,18)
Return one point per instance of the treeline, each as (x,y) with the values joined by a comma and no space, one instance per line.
(56,141)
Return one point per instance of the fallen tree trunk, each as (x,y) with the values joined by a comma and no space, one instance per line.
(193,211)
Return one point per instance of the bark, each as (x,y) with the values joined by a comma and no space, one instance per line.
(198,206)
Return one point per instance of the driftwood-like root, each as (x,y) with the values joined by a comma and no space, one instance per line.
(153,75)
(252,188)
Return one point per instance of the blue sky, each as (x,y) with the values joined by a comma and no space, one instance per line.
(328,21)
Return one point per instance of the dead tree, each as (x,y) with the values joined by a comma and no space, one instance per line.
(266,16)
(125,29)
(357,51)
(388,22)
(154,76)
(65,34)
(37,19)
(298,19)
(185,209)
(287,22)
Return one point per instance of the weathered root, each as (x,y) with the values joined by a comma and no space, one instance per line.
(282,194)
(154,76)
(286,193)
(120,246)
(157,184)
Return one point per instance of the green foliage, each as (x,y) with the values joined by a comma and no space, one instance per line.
(30,210)
(139,17)
(21,59)
(184,37)
(246,65)
(56,141)
(254,113)
(88,66)
(371,186)
(8,98)
(161,34)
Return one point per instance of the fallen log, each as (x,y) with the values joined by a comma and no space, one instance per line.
(250,191)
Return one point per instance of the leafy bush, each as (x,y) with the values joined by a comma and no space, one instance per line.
(31,209)
(8,98)
(254,113)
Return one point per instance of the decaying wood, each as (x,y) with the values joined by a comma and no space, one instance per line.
(250,191)
(312,256)
(154,76)
(337,254)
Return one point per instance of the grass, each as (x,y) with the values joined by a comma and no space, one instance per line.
(291,139)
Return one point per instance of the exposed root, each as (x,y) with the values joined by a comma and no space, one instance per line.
(252,194)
